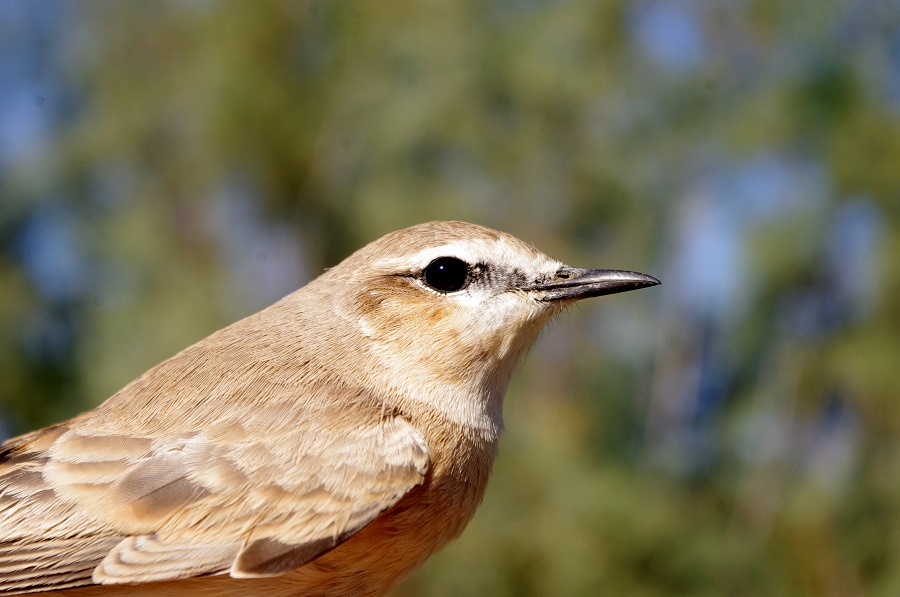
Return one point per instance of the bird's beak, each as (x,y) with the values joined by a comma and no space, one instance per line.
(573,283)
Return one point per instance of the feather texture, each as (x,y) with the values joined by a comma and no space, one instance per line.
(94,507)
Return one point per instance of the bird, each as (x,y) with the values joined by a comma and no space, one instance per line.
(326,445)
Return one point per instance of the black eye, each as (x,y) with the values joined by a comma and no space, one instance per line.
(447,274)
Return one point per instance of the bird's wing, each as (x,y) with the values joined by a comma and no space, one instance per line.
(80,504)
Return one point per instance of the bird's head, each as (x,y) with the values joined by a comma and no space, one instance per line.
(455,305)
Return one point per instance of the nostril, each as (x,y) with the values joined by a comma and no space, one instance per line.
(562,275)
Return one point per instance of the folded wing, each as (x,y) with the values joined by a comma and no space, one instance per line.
(81,505)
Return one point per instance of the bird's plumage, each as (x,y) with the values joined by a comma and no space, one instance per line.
(325,445)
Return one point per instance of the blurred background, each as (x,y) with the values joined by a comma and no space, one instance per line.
(167,168)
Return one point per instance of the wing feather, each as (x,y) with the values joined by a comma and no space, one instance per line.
(145,559)
(82,505)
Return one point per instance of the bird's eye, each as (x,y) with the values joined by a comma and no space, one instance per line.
(446,274)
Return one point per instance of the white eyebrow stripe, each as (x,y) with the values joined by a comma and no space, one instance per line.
(462,250)
(472,252)
(458,250)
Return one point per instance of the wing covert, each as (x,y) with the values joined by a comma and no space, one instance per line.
(234,497)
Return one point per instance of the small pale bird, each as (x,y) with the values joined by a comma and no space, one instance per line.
(326,445)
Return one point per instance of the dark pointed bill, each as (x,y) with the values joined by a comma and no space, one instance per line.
(572,283)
